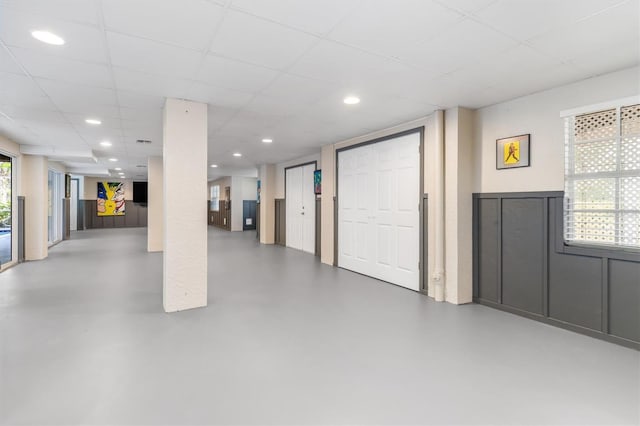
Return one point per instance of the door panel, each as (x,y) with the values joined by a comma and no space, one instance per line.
(301,208)
(379,190)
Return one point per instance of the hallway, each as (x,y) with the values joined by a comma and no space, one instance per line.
(284,340)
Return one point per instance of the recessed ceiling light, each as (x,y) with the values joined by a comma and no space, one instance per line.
(118,168)
(113,159)
(267,140)
(47,37)
(121,173)
(237,154)
(93,121)
(351,100)
(105,143)
(214,165)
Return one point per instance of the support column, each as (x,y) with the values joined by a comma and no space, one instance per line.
(185,216)
(458,205)
(35,188)
(267,176)
(155,204)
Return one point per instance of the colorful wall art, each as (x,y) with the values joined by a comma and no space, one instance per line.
(110,200)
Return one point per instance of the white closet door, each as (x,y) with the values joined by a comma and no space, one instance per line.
(308,209)
(293,202)
(378,210)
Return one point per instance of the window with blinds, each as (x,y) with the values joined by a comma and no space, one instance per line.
(602,178)
(215,198)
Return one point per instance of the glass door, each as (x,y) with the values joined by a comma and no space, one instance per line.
(5,209)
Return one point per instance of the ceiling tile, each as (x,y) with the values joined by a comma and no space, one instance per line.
(615,26)
(7,63)
(315,17)
(298,89)
(260,42)
(82,42)
(487,73)
(81,11)
(466,6)
(463,43)
(234,75)
(156,87)
(625,55)
(186,23)
(130,99)
(524,19)
(20,90)
(70,98)
(330,61)
(54,67)
(388,28)
(221,97)
(152,57)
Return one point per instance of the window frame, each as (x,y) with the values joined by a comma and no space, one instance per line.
(215,198)
(594,248)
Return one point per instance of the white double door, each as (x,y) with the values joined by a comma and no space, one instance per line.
(378,210)
(301,208)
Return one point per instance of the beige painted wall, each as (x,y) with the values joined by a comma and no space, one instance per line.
(155,204)
(34,171)
(8,146)
(539,115)
(267,176)
(280,167)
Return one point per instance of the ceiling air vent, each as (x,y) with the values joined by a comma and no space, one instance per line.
(141,166)
(143,141)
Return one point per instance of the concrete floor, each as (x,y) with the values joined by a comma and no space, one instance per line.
(284,340)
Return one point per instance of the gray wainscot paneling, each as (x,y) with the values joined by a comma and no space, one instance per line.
(135,216)
(522,265)
(280,225)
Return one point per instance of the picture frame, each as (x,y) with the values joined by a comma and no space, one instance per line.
(513,152)
(317,182)
(67,186)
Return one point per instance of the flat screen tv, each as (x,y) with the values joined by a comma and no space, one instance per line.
(140,192)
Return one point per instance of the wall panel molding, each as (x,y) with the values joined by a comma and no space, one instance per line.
(522,265)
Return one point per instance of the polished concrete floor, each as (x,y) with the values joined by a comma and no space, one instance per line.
(284,340)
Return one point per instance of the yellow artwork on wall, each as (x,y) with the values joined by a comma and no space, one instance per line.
(110,201)
(512,152)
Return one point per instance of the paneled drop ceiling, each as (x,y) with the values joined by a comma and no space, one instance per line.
(280,68)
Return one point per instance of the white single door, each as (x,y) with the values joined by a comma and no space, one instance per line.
(300,208)
(293,200)
(378,210)
(73,208)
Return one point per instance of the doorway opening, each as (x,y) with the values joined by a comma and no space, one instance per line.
(6,210)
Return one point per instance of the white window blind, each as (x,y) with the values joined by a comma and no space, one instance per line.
(215,198)
(602,177)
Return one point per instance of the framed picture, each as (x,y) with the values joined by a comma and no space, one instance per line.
(259,184)
(513,152)
(67,186)
(317,182)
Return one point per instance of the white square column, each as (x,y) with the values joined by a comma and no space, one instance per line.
(185,215)
(155,205)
